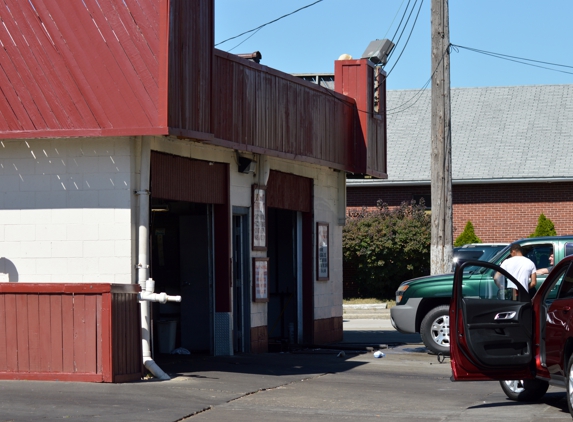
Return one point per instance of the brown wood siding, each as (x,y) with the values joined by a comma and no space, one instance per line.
(356,78)
(190,65)
(82,68)
(290,192)
(183,179)
(328,330)
(261,110)
(63,332)
(259,340)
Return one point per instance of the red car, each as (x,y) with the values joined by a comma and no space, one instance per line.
(504,335)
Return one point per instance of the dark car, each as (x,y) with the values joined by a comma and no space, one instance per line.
(524,343)
(476,252)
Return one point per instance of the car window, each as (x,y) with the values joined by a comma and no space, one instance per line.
(556,291)
(568,249)
(467,254)
(566,289)
(539,254)
(484,253)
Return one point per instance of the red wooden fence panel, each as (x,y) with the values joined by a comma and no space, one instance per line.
(72,332)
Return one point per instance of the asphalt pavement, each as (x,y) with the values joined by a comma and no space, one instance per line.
(334,383)
(198,383)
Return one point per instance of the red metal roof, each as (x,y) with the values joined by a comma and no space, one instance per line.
(83,68)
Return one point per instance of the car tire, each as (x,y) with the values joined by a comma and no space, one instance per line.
(525,390)
(435,330)
(569,374)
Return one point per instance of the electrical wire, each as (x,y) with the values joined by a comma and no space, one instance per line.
(397,42)
(411,31)
(520,60)
(268,23)
(245,40)
(401,20)
(418,94)
(393,20)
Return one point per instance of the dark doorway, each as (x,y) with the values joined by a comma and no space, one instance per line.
(284,276)
(241,284)
(181,264)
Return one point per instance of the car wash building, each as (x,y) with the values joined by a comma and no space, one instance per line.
(134,153)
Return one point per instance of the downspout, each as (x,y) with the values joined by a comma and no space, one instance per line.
(147,284)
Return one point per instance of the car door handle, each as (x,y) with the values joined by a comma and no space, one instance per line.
(566,309)
(505,315)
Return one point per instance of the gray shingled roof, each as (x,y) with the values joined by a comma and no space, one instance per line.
(519,132)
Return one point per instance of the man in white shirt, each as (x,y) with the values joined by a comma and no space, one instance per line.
(520,267)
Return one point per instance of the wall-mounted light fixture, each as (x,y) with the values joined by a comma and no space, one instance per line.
(246,165)
(378,50)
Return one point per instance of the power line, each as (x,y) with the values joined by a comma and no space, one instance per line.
(404,28)
(245,40)
(409,35)
(393,20)
(520,60)
(420,91)
(268,23)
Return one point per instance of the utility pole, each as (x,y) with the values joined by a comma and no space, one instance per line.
(441,255)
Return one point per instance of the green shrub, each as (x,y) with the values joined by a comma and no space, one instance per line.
(385,247)
(467,236)
(545,227)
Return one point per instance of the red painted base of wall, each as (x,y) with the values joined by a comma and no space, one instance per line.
(70,332)
(259,340)
(328,330)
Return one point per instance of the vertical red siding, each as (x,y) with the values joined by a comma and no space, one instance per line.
(54,331)
(183,179)
(359,79)
(289,191)
(259,109)
(190,65)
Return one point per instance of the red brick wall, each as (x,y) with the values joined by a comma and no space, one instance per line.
(498,212)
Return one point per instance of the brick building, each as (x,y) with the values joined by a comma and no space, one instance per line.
(510,158)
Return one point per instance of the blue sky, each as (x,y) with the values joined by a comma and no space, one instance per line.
(310,40)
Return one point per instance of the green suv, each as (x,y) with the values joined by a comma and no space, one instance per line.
(422,304)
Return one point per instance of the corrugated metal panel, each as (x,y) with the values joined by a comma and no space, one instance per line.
(79,68)
(289,191)
(259,109)
(190,63)
(183,179)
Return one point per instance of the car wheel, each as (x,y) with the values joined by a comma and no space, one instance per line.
(570,385)
(435,330)
(525,390)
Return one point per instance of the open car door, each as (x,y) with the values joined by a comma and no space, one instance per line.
(491,335)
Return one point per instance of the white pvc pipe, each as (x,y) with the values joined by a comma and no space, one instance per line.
(143,258)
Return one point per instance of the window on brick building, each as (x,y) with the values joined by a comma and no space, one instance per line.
(427,199)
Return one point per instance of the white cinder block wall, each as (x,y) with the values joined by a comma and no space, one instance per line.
(66,210)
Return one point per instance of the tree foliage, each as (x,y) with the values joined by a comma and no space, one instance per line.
(387,246)
(467,236)
(545,227)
